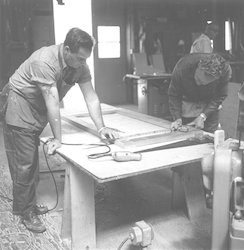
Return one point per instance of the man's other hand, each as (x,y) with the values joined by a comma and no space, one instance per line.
(52,145)
(176,124)
(197,123)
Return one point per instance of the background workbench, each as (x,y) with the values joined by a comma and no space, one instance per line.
(151,93)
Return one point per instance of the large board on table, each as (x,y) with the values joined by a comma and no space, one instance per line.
(137,129)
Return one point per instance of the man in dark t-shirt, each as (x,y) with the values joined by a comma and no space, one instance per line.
(198,87)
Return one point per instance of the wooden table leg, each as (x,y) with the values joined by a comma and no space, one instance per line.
(189,186)
(66,223)
(79,209)
(178,199)
(194,191)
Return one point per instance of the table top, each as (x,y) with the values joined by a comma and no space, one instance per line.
(107,169)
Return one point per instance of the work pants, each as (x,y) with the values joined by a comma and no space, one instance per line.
(21,146)
(210,125)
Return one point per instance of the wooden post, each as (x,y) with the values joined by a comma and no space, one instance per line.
(79,209)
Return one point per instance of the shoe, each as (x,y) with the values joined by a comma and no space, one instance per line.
(209,201)
(39,210)
(33,223)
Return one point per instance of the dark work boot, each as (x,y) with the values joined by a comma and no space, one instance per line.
(33,223)
(39,210)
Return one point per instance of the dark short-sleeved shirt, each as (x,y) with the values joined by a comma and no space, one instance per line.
(26,105)
(183,86)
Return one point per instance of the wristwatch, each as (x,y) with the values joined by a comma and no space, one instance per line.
(204,117)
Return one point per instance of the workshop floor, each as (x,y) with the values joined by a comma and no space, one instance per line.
(118,206)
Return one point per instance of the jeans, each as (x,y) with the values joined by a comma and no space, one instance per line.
(211,123)
(21,146)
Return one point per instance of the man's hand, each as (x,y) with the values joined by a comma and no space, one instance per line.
(52,145)
(198,123)
(109,133)
(176,124)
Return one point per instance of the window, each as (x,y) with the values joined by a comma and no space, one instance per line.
(228,27)
(108,41)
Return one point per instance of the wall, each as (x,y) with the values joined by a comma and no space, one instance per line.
(25,26)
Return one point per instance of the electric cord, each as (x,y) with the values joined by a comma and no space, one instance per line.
(54,181)
(95,145)
(123,242)
(99,155)
(92,156)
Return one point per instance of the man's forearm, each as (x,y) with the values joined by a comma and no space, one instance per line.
(54,119)
(210,108)
(175,108)
(95,112)
(214,104)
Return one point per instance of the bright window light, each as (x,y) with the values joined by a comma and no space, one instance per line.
(228,44)
(108,41)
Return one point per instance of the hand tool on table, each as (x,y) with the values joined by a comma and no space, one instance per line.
(119,156)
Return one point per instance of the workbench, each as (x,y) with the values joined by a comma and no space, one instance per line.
(82,174)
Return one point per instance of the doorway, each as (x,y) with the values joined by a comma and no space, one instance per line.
(108,18)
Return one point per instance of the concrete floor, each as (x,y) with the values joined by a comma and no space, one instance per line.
(122,203)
